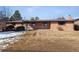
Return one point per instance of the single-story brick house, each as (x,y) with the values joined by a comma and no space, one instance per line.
(51,24)
(55,25)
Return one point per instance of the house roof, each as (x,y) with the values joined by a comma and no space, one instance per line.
(49,20)
(55,20)
(40,20)
(19,21)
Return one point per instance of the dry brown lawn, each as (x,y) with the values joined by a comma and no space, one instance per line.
(47,40)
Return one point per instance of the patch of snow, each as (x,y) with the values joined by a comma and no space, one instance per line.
(9,34)
(8,37)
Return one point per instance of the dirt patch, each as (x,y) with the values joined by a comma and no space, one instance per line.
(47,40)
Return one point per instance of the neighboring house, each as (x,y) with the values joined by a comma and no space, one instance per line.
(2,25)
(76,24)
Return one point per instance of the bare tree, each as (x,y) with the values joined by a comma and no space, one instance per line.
(5,13)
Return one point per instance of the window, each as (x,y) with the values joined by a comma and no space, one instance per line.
(33,25)
(46,24)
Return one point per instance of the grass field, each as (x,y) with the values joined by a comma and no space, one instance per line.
(47,40)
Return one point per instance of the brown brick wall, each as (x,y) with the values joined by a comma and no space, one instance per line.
(39,25)
(67,27)
(54,26)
